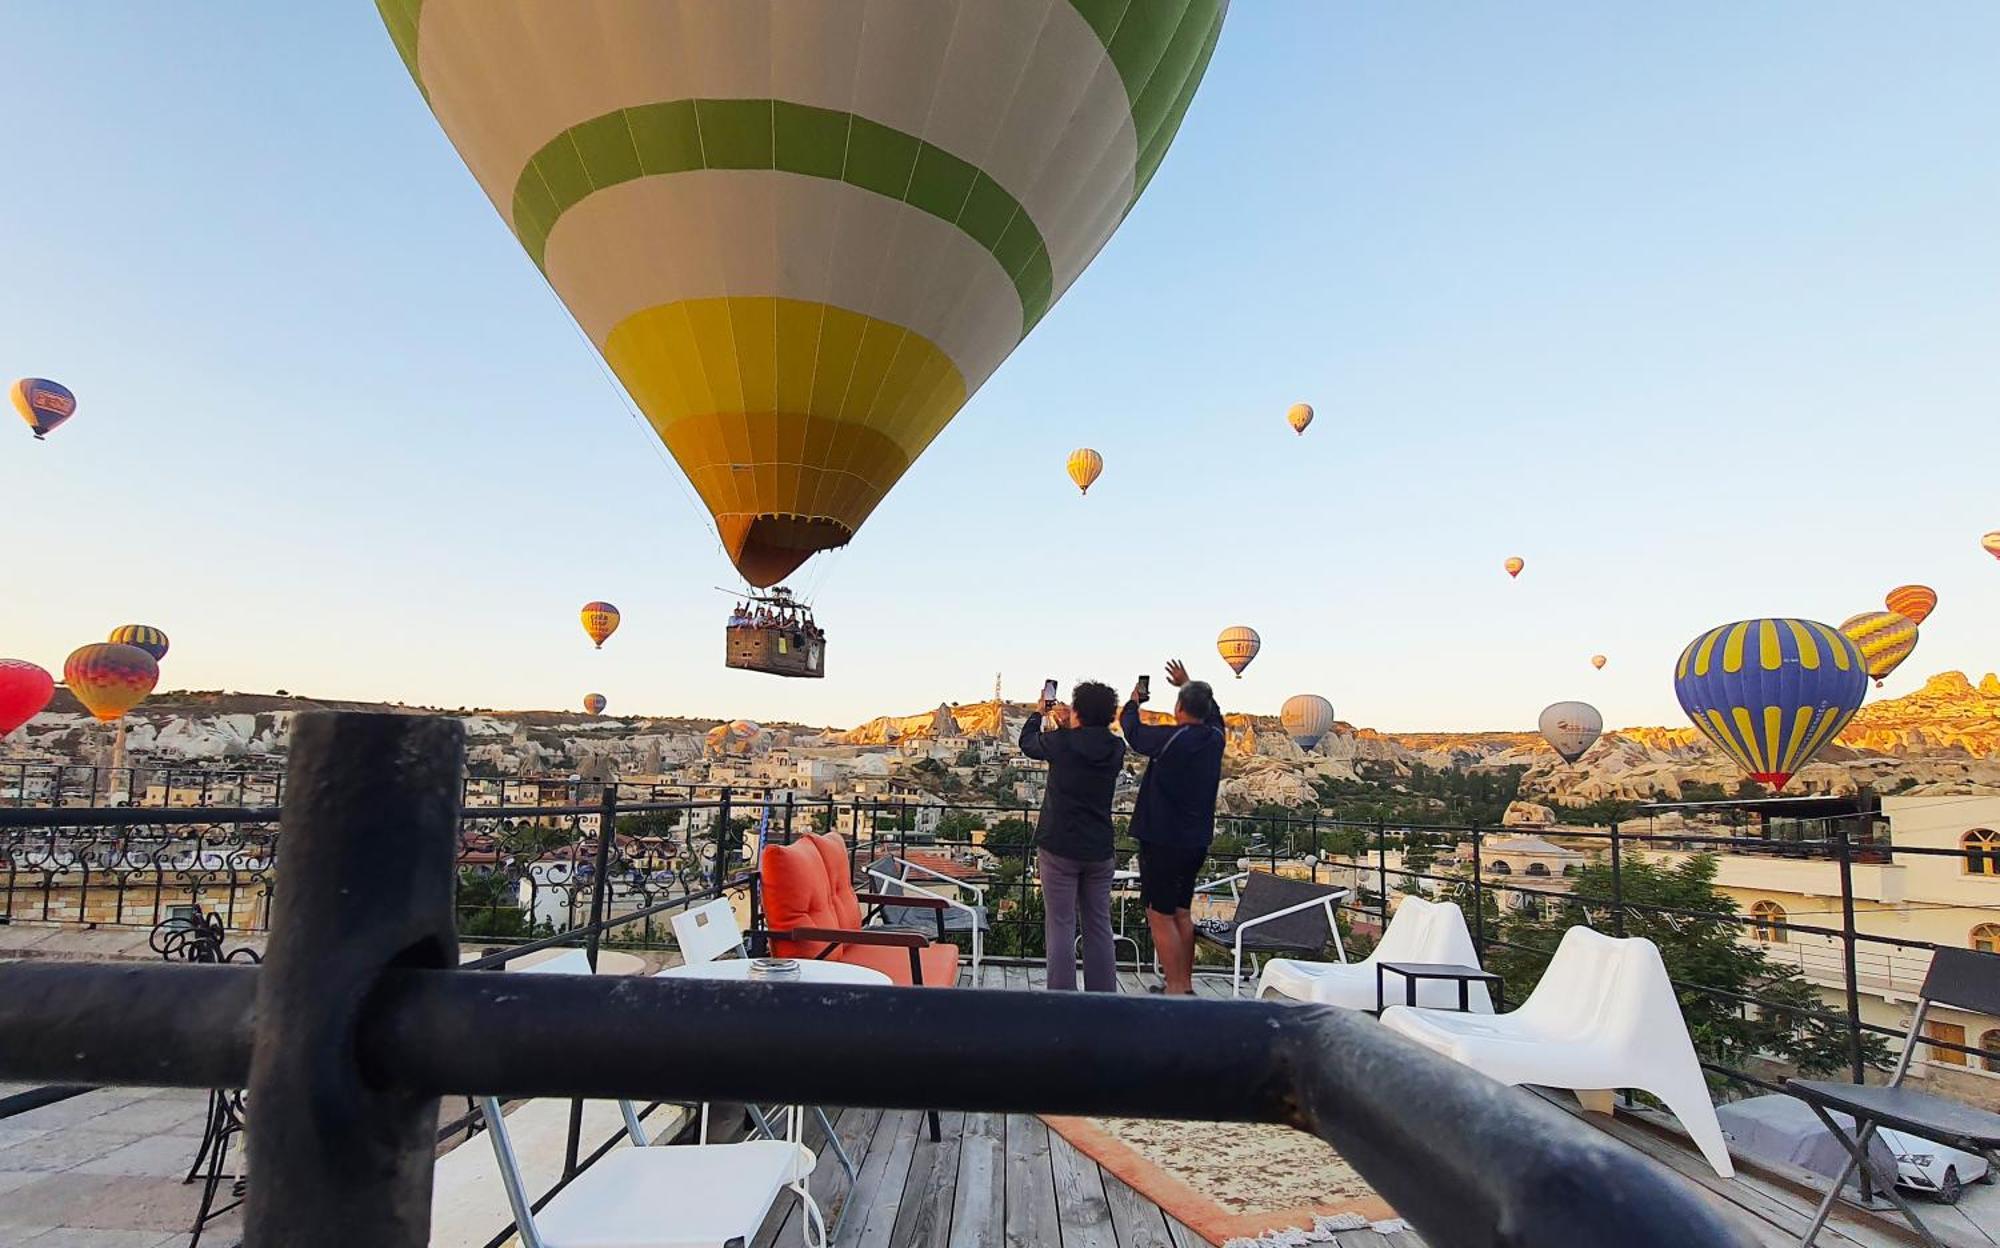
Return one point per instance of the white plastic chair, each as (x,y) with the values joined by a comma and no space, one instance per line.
(1419,931)
(707,931)
(657,1196)
(1604,1017)
(975,913)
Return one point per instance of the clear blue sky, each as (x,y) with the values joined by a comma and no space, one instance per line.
(1695,306)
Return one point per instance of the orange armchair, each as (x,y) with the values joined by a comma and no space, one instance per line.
(814,913)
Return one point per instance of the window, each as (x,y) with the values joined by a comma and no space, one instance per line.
(1767,923)
(1986,938)
(1538,868)
(1982,851)
(1500,867)
(1991,1043)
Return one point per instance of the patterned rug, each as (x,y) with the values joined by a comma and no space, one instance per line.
(1231,1181)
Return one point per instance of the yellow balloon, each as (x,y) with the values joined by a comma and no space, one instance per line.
(1300,415)
(1238,645)
(1085,466)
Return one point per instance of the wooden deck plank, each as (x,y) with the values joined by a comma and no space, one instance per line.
(1181,1233)
(1138,1222)
(980,1199)
(923,1220)
(1082,1211)
(828,1184)
(1030,1220)
(884,1174)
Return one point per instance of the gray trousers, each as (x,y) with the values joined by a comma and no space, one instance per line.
(1073,890)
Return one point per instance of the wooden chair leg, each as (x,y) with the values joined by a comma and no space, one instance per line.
(936,1132)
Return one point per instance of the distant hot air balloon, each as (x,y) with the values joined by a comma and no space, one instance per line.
(1085,466)
(144,636)
(1885,639)
(1514,565)
(43,404)
(109,678)
(736,737)
(1914,601)
(600,620)
(1306,717)
(1299,416)
(1571,728)
(24,690)
(1991,543)
(593,704)
(1237,646)
(803,235)
(1598,661)
(1770,693)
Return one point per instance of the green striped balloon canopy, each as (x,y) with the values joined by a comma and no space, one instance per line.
(804,232)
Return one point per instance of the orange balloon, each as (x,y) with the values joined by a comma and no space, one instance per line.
(1598,661)
(1912,602)
(110,678)
(1514,565)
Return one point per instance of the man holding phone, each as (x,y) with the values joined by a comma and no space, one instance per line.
(1074,837)
(1174,820)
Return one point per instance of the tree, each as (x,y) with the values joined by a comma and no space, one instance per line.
(488,905)
(1011,840)
(1700,954)
(650,823)
(959,825)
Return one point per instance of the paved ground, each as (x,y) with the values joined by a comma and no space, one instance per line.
(103,1170)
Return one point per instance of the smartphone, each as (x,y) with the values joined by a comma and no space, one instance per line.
(1049,692)
(1146,687)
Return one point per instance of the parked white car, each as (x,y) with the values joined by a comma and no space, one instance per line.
(1934,1169)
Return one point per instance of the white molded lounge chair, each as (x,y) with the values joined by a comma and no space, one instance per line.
(1419,931)
(1604,1017)
(657,1196)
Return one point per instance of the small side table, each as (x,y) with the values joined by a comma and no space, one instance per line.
(1412,972)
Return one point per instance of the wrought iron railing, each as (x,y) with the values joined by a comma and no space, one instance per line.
(346,1044)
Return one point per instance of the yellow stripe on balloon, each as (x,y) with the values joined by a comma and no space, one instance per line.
(1774,724)
(1769,653)
(785,410)
(1808,652)
(1732,649)
(1801,728)
(1706,654)
(1748,731)
(1833,640)
(1727,740)
(1687,654)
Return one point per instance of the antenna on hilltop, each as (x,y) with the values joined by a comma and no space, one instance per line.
(999,711)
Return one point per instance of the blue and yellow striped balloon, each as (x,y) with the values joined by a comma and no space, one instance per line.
(1771,693)
(144,636)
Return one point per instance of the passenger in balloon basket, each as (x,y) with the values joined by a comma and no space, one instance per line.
(1174,819)
(1074,839)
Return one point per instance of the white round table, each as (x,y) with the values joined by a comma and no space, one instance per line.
(811,971)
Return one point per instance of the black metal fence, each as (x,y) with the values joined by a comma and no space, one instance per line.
(360,1018)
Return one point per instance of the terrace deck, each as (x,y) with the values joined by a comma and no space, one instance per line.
(102,1171)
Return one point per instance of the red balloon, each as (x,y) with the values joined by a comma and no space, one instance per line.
(24,690)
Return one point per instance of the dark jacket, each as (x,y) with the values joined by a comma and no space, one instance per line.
(1177,795)
(1083,772)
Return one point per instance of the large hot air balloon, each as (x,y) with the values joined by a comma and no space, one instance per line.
(739,736)
(1306,717)
(1299,416)
(800,292)
(144,636)
(24,690)
(1085,466)
(600,620)
(1991,543)
(1914,601)
(1571,728)
(1769,693)
(593,704)
(1885,639)
(43,404)
(1237,646)
(1598,661)
(1514,565)
(109,678)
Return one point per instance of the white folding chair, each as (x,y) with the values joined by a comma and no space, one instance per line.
(1419,931)
(656,1195)
(975,912)
(1604,1017)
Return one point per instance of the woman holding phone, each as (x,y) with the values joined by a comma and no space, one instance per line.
(1074,837)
